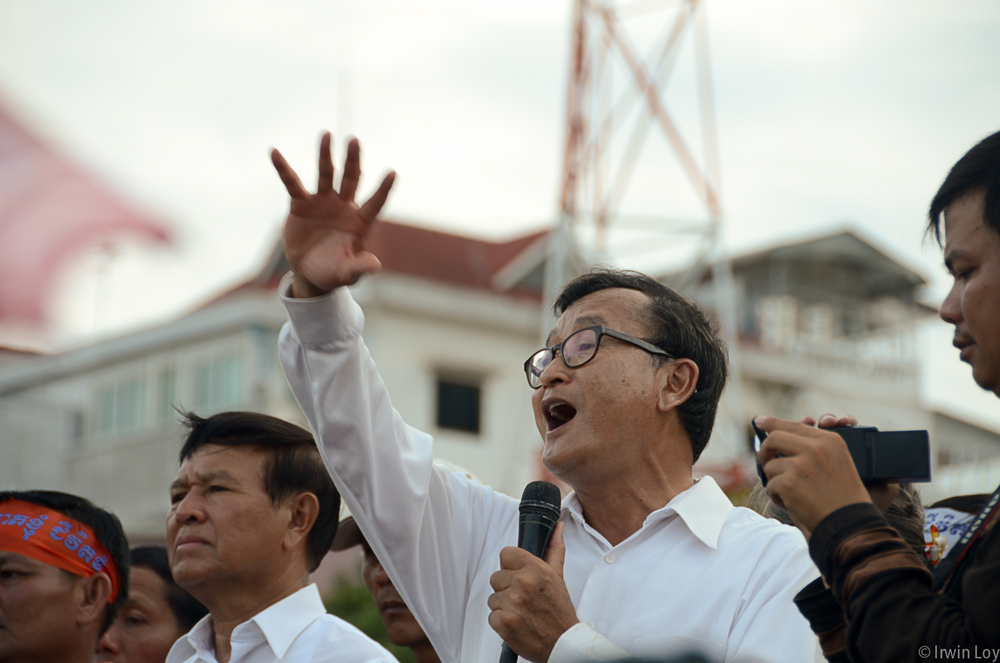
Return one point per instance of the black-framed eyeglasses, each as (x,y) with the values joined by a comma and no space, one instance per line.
(578,348)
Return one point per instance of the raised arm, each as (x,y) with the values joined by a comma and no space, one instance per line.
(326,233)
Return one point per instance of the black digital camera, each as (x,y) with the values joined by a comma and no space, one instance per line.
(902,456)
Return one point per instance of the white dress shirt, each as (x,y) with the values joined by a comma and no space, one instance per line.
(296,628)
(699,575)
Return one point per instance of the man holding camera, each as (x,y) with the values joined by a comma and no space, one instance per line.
(895,609)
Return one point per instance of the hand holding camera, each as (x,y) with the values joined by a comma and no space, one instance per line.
(809,471)
(812,472)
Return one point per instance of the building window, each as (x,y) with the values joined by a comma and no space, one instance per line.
(166,393)
(118,407)
(458,404)
(217,383)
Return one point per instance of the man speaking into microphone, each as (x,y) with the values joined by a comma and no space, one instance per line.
(644,561)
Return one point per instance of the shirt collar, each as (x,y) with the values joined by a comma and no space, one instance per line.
(703,508)
(284,621)
(199,640)
(280,624)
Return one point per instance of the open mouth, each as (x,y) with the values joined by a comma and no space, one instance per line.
(557,414)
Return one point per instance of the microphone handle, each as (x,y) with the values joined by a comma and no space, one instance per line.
(507,654)
(539,512)
(535,531)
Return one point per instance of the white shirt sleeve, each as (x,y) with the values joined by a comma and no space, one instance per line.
(770,602)
(432,530)
(582,644)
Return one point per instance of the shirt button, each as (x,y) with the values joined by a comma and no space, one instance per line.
(609,558)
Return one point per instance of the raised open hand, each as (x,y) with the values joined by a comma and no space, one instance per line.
(326,232)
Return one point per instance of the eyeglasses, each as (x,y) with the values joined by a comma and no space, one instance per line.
(577,349)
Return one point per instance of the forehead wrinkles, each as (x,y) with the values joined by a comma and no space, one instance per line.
(578,323)
(194,469)
(618,308)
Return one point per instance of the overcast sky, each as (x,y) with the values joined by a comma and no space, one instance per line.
(827,112)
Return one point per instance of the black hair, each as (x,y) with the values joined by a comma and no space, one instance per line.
(978,169)
(107,528)
(294,464)
(187,610)
(681,327)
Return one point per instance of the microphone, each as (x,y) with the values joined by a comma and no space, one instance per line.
(539,511)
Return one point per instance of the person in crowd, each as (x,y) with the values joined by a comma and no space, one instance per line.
(64,572)
(946,521)
(875,577)
(401,626)
(252,513)
(645,559)
(156,614)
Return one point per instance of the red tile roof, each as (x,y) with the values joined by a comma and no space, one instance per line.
(443,256)
(425,253)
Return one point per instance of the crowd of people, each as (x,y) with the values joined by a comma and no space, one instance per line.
(646,562)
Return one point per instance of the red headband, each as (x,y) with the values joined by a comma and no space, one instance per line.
(52,538)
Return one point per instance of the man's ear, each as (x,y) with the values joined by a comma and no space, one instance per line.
(680,381)
(92,595)
(303,512)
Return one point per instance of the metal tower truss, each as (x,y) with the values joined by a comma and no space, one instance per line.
(641,172)
(635,182)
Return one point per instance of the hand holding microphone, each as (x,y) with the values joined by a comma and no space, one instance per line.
(531,606)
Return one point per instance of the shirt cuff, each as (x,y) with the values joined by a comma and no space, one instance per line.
(581,643)
(819,606)
(328,320)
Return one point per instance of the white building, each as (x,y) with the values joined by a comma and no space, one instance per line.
(832,324)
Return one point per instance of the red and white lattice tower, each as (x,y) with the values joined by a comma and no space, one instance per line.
(640,182)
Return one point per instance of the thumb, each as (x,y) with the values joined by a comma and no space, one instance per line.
(363,263)
(556,554)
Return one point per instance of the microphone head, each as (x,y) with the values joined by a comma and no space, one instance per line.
(538,515)
(541,497)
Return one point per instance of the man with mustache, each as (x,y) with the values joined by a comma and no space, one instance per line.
(252,514)
(645,559)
